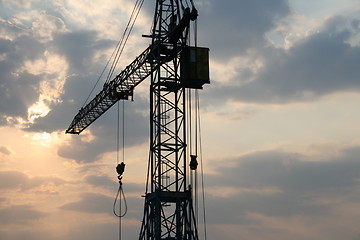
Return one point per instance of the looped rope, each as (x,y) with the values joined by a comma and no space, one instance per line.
(119,195)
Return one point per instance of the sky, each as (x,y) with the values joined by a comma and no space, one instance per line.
(280,120)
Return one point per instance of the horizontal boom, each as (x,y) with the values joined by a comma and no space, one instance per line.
(121,87)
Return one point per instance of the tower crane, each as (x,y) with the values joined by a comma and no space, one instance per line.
(173,67)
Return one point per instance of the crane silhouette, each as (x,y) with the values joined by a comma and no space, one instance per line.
(174,67)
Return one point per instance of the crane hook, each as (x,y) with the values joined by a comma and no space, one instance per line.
(120,168)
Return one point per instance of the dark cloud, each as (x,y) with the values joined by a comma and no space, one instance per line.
(76,89)
(22,234)
(110,230)
(5,150)
(18,89)
(113,184)
(101,181)
(19,214)
(355,24)
(279,184)
(105,132)
(286,171)
(230,29)
(86,230)
(14,179)
(99,203)
(320,64)
(9,180)
(5,46)
(79,48)
(40,181)
(91,203)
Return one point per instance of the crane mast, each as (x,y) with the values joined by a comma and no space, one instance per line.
(174,67)
(168,208)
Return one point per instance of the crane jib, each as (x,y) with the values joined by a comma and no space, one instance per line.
(121,87)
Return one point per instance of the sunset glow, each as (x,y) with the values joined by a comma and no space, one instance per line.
(280,137)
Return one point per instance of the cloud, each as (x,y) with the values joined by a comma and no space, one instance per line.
(22,234)
(77,88)
(288,172)
(320,64)
(19,214)
(112,184)
(5,150)
(18,86)
(101,181)
(79,48)
(83,54)
(280,184)
(91,203)
(104,132)
(99,203)
(238,25)
(29,68)
(92,231)
(38,54)
(95,203)
(14,179)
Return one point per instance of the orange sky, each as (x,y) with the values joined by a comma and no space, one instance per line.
(280,120)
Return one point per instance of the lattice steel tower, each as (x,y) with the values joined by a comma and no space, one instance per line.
(173,67)
(169,212)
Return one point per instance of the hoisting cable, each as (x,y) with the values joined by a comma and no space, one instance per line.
(119,48)
(134,14)
(182,5)
(97,81)
(196,153)
(201,165)
(120,168)
(193,133)
(199,139)
(187,4)
(196,125)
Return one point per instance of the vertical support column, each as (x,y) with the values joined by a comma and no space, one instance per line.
(168,205)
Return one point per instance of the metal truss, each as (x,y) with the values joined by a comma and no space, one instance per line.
(121,87)
(168,209)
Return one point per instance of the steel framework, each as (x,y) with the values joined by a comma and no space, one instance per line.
(168,207)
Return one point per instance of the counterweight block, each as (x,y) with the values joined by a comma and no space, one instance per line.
(194,67)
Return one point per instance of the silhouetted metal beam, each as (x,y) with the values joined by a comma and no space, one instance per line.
(121,87)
